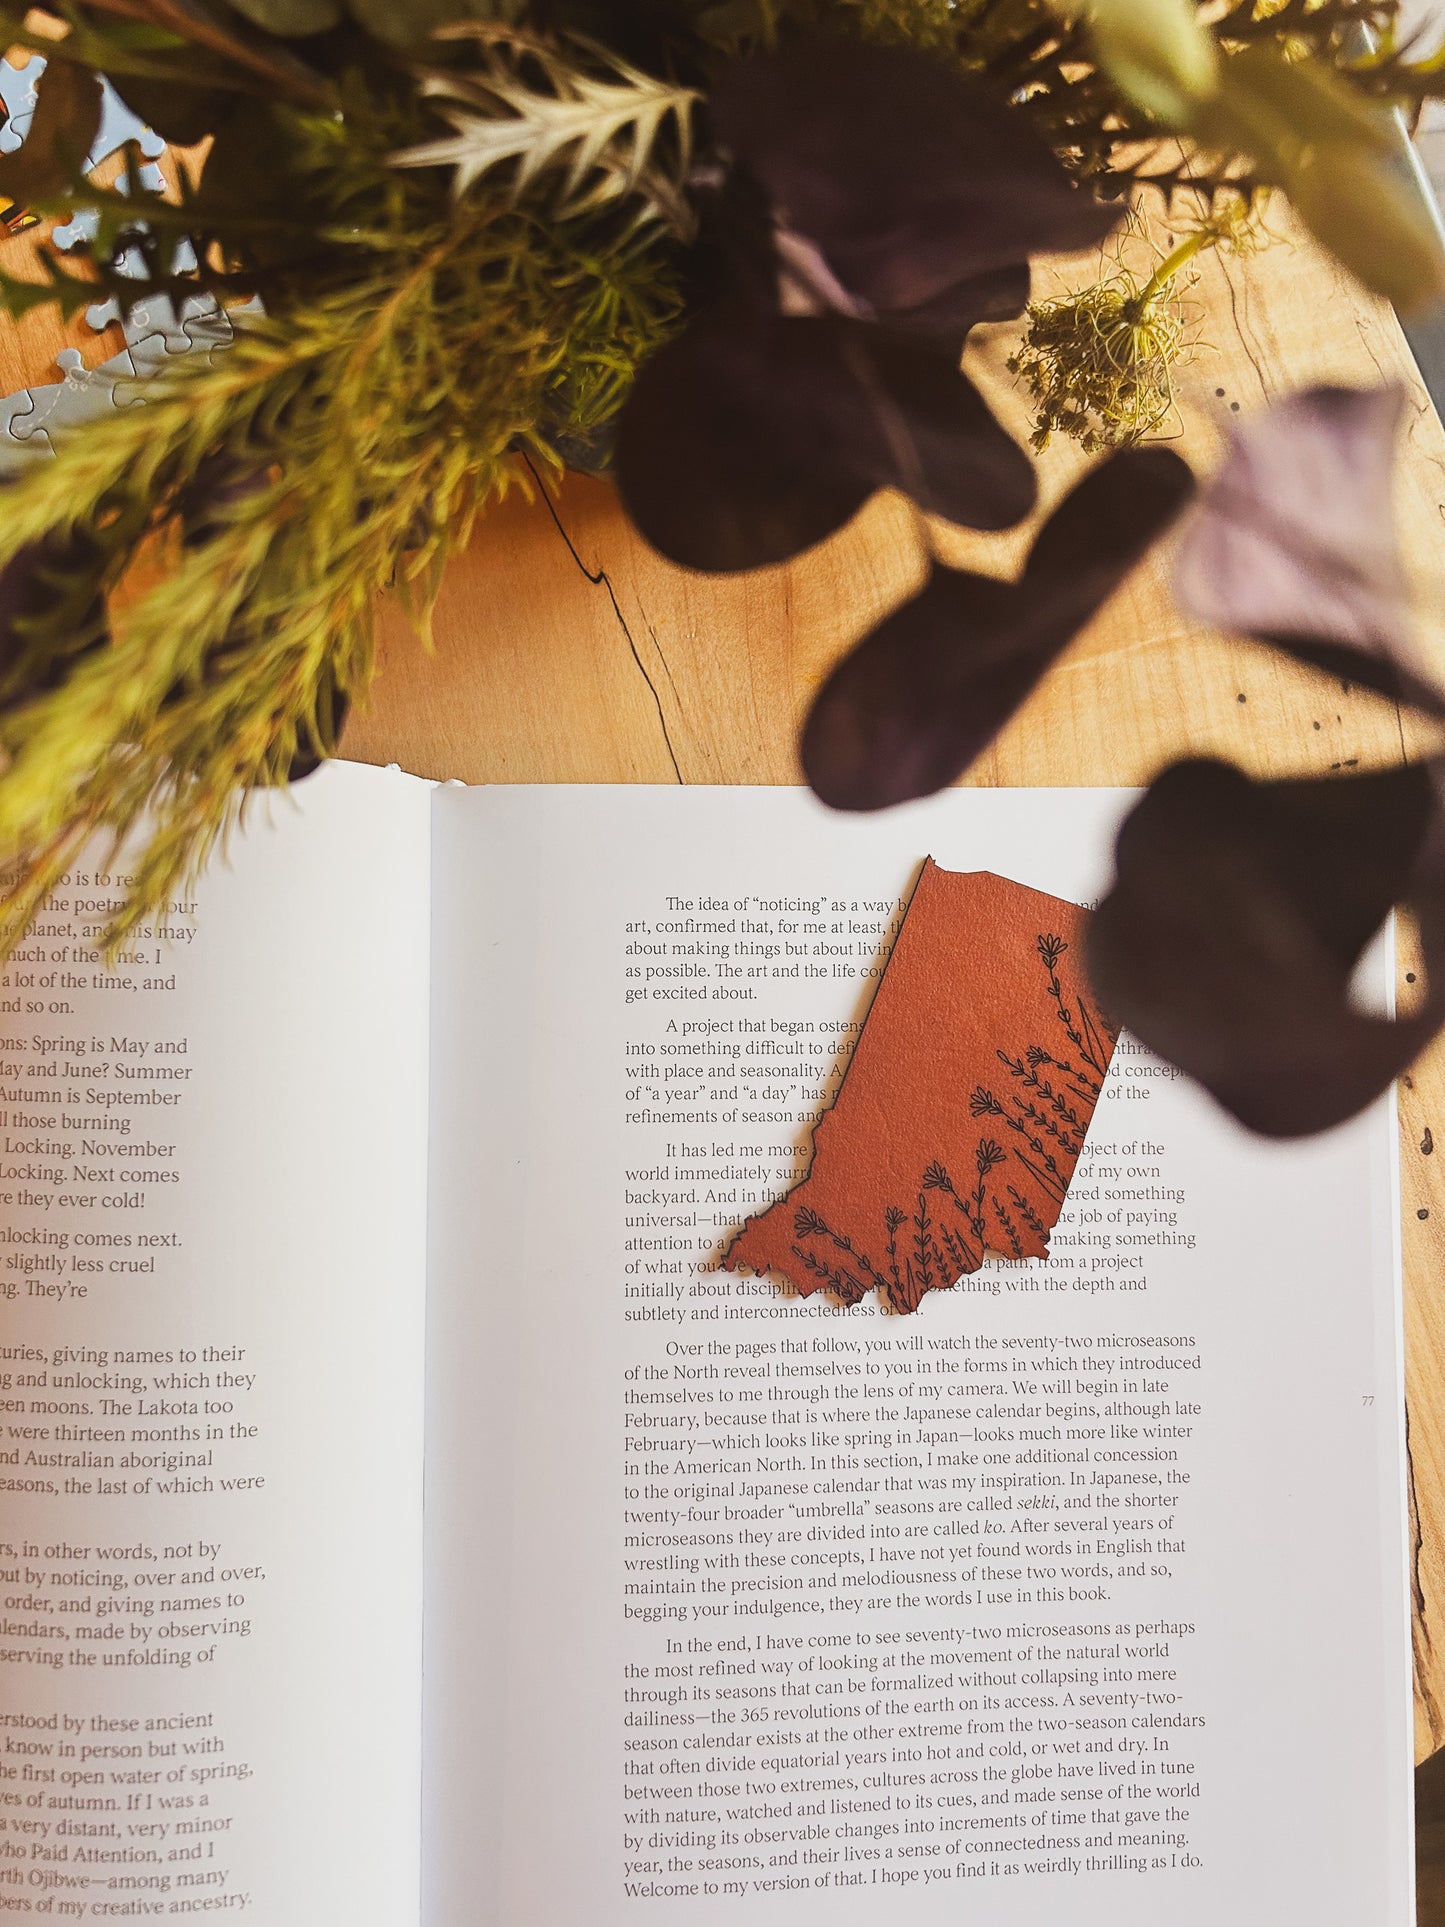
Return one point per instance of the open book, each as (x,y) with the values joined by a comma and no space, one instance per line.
(403,1521)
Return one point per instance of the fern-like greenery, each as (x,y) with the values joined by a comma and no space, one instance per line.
(338,449)
(568,109)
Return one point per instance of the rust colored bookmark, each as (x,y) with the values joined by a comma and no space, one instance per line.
(963,1111)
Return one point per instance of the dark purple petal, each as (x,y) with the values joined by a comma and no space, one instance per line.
(1294,541)
(315,745)
(51,612)
(909,176)
(1002,294)
(1107,521)
(316,738)
(921,696)
(804,282)
(1228,940)
(751,438)
(222,484)
(902,714)
(933,434)
(733,451)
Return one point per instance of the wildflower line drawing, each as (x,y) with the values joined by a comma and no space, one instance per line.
(953,1139)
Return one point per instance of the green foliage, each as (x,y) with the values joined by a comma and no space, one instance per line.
(539,109)
(360,430)
(1336,156)
(1159,52)
(1045,57)
(931,24)
(398,23)
(293,17)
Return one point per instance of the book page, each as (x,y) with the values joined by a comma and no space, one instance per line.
(212,1231)
(1080,1594)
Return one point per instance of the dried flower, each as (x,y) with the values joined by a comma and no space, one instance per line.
(1099,363)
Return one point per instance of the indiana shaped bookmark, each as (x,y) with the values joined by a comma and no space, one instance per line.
(963,1110)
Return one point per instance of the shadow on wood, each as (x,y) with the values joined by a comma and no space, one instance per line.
(1430,1842)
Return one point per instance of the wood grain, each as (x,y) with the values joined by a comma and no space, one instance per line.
(567,652)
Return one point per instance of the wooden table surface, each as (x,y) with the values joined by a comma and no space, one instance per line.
(567,652)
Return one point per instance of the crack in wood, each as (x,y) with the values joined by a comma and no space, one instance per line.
(600,579)
(1239,314)
(667,666)
(1422,1643)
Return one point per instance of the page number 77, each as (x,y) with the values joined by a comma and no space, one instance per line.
(1368,1398)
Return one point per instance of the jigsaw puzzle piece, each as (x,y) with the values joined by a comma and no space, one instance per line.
(17,97)
(150,355)
(117,123)
(44,398)
(106,314)
(82,227)
(18,449)
(157,317)
(31,420)
(102,315)
(210,333)
(157,313)
(199,321)
(24,416)
(117,126)
(85,392)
